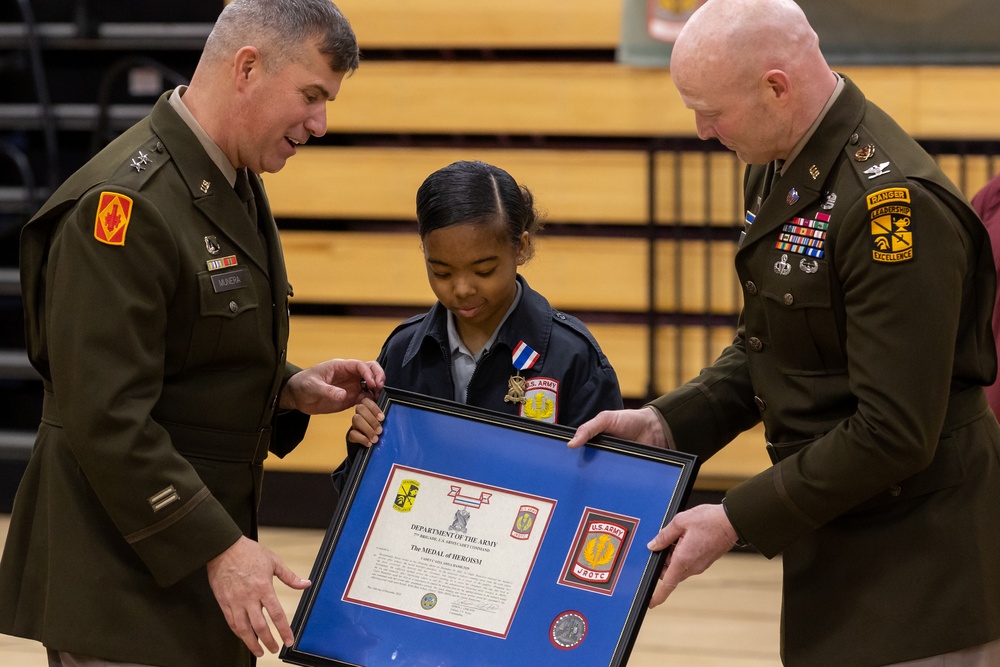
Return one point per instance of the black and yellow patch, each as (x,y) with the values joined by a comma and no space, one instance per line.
(891,225)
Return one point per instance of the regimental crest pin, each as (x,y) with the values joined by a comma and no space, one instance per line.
(814,172)
(792,196)
(864,153)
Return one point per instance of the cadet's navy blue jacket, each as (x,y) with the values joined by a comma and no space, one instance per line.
(570,383)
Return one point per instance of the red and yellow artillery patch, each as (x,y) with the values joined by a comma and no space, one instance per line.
(113,213)
(891,225)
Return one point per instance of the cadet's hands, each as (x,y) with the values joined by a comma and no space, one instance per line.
(366,424)
(640,425)
(700,536)
(331,386)
(241,578)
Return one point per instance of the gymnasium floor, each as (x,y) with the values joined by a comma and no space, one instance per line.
(726,617)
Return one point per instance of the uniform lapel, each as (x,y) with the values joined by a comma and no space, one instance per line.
(209,189)
(802,183)
(280,289)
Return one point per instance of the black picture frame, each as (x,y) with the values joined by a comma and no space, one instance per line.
(474,538)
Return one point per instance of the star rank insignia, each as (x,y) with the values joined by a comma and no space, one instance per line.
(140,161)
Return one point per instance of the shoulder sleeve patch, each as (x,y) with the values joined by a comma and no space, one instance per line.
(113,213)
(891,225)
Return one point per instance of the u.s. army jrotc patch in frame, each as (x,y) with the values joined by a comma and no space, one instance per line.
(602,542)
(891,225)
(113,213)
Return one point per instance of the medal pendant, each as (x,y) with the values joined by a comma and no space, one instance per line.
(515,389)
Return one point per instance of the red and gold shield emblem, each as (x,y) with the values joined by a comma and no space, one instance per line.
(113,213)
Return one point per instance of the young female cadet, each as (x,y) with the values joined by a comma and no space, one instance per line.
(490,340)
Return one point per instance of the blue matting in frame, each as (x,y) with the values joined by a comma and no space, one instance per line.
(607,479)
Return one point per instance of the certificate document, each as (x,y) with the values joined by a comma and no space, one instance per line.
(449,550)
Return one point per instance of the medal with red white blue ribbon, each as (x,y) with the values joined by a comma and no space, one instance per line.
(523,358)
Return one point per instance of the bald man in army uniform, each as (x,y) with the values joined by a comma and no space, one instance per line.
(863,347)
(156,306)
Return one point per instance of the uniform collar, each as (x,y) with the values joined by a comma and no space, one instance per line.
(529,321)
(816,123)
(214,152)
(455,343)
(804,177)
(210,191)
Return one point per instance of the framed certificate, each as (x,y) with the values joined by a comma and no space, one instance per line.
(472,538)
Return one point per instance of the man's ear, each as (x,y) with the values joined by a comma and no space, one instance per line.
(246,61)
(778,84)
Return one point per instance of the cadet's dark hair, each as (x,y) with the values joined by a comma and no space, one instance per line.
(476,192)
(280,29)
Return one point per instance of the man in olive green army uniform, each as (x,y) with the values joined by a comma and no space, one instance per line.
(156,310)
(863,346)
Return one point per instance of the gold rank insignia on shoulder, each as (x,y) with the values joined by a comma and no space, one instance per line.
(114,210)
(891,225)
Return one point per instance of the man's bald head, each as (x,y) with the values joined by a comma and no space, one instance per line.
(746,37)
(756,66)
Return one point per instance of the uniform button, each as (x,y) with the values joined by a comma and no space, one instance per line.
(755,344)
(761,403)
(751,287)
(895,490)
(233,307)
(560,316)
(789,299)
(854,138)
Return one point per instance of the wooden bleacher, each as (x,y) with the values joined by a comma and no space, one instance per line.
(617,125)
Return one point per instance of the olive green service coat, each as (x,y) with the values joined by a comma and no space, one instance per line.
(159,323)
(863,350)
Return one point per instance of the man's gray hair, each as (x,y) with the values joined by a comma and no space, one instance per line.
(281,28)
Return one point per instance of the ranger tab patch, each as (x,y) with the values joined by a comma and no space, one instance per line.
(113,213)
(891,225)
